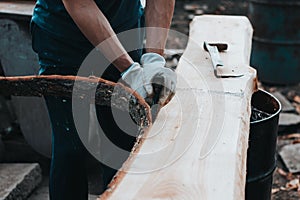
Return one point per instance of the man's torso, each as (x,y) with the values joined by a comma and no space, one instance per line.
(52,16)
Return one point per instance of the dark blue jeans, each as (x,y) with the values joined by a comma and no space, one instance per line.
(68,179)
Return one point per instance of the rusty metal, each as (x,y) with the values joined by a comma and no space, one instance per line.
(276,41)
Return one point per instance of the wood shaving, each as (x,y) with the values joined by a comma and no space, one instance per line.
(290,136)
(296,141)
(297,99)
(275,190)
(287,175)
(293,185)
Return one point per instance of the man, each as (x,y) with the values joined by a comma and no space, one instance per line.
(63,34)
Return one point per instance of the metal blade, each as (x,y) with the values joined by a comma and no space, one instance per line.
(220,70)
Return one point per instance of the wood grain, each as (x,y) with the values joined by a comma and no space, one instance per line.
(197,147)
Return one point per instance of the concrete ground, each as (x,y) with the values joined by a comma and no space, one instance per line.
(17,181)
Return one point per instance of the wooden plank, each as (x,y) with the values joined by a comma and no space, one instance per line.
(68,87)
(17,7)
(84,89)
(197,147)
(81,88)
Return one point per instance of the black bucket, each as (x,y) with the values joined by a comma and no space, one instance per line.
(261,155)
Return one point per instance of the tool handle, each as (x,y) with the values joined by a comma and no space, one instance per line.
(157,89)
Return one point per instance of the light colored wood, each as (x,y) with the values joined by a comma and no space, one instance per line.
(197,147)
(17,7)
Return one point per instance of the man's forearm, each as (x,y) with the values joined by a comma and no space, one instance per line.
(158,13)
(96,28)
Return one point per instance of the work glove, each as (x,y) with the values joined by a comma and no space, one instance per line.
(152,71)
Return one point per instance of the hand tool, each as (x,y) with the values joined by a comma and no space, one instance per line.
(220,70)
(157,90)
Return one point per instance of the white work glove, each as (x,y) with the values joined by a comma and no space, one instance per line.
(153,68)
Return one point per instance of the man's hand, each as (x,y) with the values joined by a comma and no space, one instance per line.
(141,79)
(134,77)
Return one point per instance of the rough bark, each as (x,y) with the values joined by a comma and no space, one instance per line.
(97,90)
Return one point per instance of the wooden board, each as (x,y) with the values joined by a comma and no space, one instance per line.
(78,88)
(197,147)
(17,7)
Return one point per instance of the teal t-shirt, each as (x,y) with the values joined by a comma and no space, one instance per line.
(52,16)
